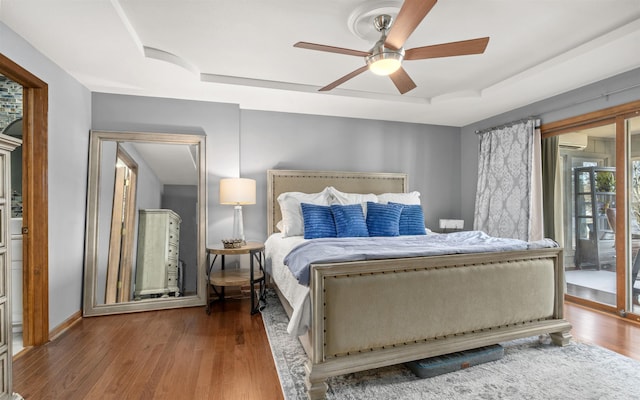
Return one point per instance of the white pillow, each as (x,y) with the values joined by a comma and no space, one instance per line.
(402,198)
(344,199)
(292,222)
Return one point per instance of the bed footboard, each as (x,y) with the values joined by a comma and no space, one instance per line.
(370,314)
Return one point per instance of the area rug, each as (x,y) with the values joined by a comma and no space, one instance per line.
(532,369)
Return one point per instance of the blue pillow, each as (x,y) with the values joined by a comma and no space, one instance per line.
(349,220)
(383,219)
(412,220)
(318,221)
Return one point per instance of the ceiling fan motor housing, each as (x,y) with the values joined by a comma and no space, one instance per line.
(380,54)
(383,23)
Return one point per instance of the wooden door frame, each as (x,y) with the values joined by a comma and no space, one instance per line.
(612,115)
(129,224)
(114,280)
(120,262)
(35,329)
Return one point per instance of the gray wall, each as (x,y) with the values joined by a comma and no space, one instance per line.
(250,142)
(620,89)
(428,153)
(69,122)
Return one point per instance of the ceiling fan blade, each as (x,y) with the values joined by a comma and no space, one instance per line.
(344,79)
(403,81)
(331,49)
(464,47)
(409,17)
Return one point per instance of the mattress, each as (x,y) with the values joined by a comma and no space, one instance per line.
(276,249)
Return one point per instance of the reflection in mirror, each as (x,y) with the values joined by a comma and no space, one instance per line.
(145,222)
(119,261)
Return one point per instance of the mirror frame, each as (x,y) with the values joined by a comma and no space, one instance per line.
(89,304)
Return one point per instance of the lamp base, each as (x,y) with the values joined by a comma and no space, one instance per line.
(238,226)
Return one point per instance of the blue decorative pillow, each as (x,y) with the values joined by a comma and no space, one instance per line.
(383,219)
(412,220)
(318,221)
(349,220)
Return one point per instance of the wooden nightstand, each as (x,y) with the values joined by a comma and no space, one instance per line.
(236,277)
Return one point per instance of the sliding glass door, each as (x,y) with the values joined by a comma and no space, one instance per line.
(589,164)
(599,208)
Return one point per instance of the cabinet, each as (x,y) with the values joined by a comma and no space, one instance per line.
(7,144)
(594,193)
(157,254)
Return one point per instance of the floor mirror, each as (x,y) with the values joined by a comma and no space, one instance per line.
(146,221)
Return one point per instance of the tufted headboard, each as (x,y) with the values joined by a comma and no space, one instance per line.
(281,181)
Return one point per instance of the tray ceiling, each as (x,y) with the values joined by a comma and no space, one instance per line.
(241,52)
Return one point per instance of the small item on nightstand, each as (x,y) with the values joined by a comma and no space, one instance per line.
(451,225)
(233,243)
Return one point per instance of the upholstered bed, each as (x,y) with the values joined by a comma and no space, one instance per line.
(373,313)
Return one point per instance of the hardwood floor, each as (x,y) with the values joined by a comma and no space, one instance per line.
(187,354)
(171,354)
(605,330)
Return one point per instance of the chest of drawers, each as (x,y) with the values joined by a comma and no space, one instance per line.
(157,254)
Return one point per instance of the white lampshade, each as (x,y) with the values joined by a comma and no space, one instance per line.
(237,191)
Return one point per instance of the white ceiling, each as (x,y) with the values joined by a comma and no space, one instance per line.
(181,170)
(241,52)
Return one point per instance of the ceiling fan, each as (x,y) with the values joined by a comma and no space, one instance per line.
(385,58)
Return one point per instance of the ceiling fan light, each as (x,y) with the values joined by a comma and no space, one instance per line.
(385,66)
(384,61)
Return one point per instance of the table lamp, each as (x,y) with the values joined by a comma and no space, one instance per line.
(238,192)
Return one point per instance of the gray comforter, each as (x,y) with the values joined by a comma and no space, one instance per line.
(327,250)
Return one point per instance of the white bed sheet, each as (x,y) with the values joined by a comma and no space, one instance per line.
(276,249)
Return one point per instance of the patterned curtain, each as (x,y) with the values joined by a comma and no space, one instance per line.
(509,192)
